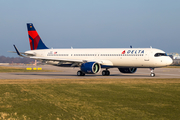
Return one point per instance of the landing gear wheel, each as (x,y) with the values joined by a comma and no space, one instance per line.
(80,73)
(152,74)
(105,72)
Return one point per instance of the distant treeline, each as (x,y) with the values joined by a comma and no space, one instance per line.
(4,59)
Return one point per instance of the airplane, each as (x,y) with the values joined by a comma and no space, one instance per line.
(91,61)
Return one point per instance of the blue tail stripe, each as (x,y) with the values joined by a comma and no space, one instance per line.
(41,45)
(32,41)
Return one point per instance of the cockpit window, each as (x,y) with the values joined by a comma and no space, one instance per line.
(160,54)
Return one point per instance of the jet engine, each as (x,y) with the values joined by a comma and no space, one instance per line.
(127,70)
(90,67)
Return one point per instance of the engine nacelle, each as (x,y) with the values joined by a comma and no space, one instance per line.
(90,67)
(127,70)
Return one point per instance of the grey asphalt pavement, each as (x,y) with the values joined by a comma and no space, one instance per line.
(70,73)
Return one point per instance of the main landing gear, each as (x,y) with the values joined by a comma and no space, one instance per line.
(152,72)
(80,73)
(106,72)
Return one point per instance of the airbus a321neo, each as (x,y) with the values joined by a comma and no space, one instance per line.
(91,61)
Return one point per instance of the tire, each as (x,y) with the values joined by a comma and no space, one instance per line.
(152,74)
(104,73)
(107,73)
(80,73)
(83,74)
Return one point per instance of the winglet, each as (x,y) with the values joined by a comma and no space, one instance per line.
(17,51)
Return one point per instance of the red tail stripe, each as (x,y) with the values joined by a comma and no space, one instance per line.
(33,34)
(31,45)
(36,41)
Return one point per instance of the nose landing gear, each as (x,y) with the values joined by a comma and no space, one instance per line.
(152,72)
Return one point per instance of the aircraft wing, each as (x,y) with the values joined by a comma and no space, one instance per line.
(58,59)
(102,62)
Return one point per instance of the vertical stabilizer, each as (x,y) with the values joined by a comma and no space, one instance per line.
(34,38)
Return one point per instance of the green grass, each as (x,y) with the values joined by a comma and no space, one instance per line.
(129,99)
(4,69)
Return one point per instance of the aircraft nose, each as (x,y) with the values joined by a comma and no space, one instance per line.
(169,61)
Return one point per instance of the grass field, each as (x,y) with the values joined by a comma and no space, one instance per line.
(100,99)
(4,69)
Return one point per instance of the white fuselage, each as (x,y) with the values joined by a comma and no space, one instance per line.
(123,57)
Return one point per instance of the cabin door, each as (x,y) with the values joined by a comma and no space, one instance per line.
(146,56)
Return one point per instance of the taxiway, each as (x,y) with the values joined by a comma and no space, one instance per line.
(70,73)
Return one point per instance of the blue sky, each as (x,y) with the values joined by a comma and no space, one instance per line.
(91,24)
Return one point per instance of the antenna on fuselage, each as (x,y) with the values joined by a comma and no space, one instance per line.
(130,46)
